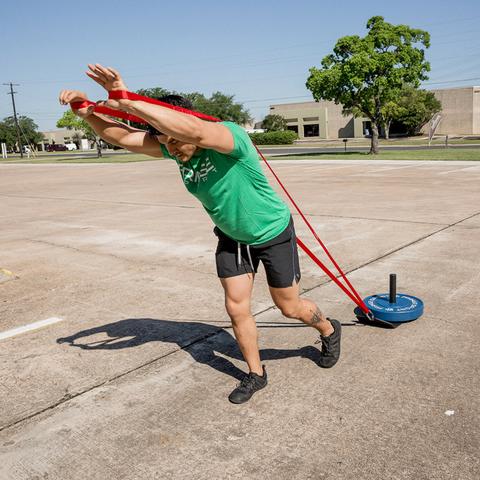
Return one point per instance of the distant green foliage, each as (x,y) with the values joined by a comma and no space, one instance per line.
(71,121)
(155,92)
(274,123)
(364,74)
(28,130)
(416,108)
(286,137)
(219,105)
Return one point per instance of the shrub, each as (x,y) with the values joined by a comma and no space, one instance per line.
(285,137)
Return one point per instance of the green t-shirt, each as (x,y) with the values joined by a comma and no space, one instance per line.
(234,190)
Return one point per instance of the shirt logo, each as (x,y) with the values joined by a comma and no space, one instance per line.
(198,174)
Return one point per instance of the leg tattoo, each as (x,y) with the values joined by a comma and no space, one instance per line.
(316,317)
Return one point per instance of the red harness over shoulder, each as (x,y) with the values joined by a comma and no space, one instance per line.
(122,94)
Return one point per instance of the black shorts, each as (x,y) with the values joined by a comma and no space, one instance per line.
(279,257)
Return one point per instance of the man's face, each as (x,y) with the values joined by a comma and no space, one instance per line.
(180,150)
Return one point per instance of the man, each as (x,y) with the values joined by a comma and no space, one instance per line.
(220,166)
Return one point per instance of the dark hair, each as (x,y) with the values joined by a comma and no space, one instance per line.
(176,101)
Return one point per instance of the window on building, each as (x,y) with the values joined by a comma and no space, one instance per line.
(291,120)
(311,130)
(293,128)
(310,119)
(367,128)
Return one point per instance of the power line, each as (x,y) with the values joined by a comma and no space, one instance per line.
(453,81)
(12,93)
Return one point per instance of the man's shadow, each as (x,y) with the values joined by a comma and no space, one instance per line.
(201,340)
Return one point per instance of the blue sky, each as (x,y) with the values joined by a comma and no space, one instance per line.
(259,51)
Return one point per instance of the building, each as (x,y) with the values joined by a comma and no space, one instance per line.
(63,136)
(324,119)
(460,113)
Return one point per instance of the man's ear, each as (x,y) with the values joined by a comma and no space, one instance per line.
(163,139)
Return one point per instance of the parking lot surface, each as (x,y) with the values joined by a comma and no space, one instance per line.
(129,377)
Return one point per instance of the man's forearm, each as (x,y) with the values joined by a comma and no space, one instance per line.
(109,130)
(185,128)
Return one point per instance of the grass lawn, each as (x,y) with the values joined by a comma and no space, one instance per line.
(106,158)
(447,154)
(437,154)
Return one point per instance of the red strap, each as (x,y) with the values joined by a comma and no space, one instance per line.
(361,303)
(358,300)
(107,111)
(123,94)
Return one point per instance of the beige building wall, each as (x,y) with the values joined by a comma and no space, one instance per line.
(324,118)
(460,115)
(476,111)
(457,111)
(60,137)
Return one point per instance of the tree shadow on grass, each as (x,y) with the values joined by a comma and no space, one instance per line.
(201,340)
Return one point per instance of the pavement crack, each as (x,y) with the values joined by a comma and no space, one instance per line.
(109,202)
(70,396)
(381,257)
(374,219)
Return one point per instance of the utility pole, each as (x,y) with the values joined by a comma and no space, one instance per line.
(12,93)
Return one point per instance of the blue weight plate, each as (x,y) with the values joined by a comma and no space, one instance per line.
(405,309)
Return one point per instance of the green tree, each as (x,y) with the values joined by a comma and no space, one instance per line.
(28,131)
(219,105)
(416,108)
(155,92)
(8,135)
(274,123)
(71,121)
(364,74)
(222,106)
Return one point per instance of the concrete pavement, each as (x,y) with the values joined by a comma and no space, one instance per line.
(132,382)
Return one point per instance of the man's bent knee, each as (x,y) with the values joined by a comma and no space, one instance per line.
(237,311)
(291,309)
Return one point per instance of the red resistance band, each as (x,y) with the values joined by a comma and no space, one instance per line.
(122,94)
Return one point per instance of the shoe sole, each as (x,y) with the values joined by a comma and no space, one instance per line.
(340,335)
(245,401)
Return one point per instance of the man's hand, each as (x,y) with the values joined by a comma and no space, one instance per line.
(68,96)
(108,78)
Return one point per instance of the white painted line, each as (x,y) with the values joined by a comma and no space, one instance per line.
(459,170)
(381,170)
(30,326)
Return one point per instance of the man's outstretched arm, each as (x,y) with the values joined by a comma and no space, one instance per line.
(116,133)
(181,126)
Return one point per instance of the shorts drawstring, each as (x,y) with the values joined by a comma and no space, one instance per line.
(250,258)
(239,255)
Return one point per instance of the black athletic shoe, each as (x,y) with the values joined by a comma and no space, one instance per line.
(250,384)
(331,346)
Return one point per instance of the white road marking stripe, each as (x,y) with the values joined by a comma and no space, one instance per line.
(30,326)
(396,168)
(459,170)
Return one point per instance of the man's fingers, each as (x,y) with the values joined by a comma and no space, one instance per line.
(93,69)
(114,72)
(64,96)
(105,72)
(69,96)
(98,72)
(96,78)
